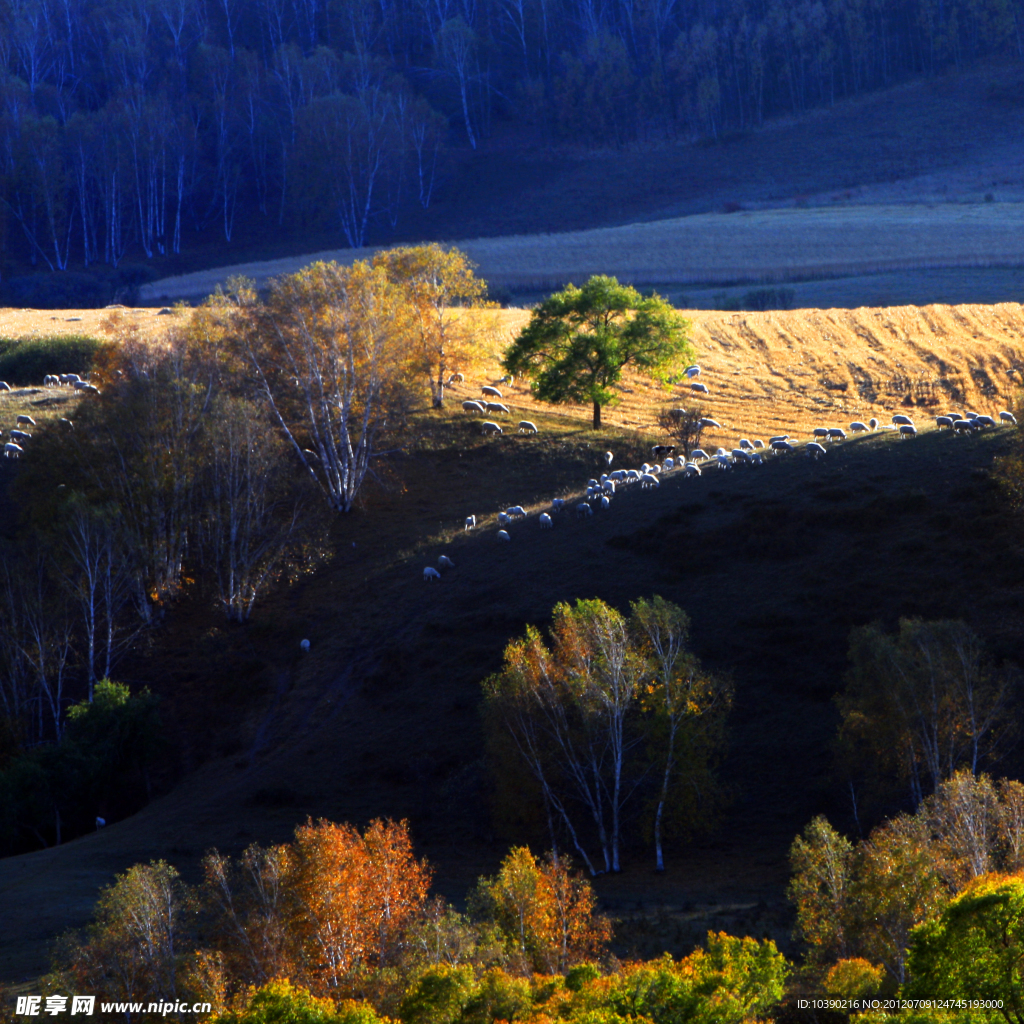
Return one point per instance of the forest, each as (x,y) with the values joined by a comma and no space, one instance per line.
(131,131)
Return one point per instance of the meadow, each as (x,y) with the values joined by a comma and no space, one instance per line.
(774,565)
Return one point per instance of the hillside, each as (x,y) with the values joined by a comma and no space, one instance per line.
(774,565)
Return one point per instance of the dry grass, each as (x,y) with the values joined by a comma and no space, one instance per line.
(99,323)
(778,244)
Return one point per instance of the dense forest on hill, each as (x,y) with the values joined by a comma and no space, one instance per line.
(131,130)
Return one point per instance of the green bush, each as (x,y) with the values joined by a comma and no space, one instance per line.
(29,360)
(281,1002)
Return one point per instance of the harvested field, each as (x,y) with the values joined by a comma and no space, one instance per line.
(99,323)
(766,245)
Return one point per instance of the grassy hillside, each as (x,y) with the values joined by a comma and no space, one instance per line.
(774,565)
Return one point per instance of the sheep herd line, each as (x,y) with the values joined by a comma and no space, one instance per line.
(14,448)
(600,491)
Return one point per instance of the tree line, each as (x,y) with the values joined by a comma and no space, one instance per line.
(130,128)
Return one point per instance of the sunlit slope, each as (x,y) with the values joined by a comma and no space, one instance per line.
(788,372)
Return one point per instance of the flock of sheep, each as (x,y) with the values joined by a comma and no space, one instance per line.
(14,448)
(599,492)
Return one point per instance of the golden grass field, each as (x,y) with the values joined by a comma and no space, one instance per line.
(767,373)
(764,245)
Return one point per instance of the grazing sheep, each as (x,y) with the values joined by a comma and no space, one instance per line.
(619,475)
(92,389)
(814,449)
(446,562)
(608,487)
(702,388)
(557,504)
(782,446)
(79,384)
(710,423)
(516,512)
(12,451)
(873,423)
(777,437)
(692,371)
(20,435)
(608,456)
(504,519)
(633,474)
(746,445)
(691,469)
(858,428)
(526,427)
(4,386)
(661,450)
(722,461)
(503,536)
(649,480)
(67,423)
(943,421)
(493,392)
(984,421)
(583,510)
(907,430)
(970,415)
(546,522)
(654,469)
(962,426)
(605,501)
(1008,417)
(821,432)
(69,378)
(508,379)
(499,408)
(51,381)
(758,443)
(756,459)
(25,421)
(739,455)
(430,573)
(667,465)
(490,428)
(698,453)
(900,420)
(836,434)
(480,407)
(470,522)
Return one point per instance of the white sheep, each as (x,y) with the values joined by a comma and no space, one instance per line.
(633,474)
(583,510)
(20,435)
(79,384)
(430,573)
(702,388)
(12,451)
(782,446)
(490,428)
(546,522)
(4,386)
(508,379)
(503,536)
(479,407)
(962,426)
(470,523)
(605,501)
(668,465)
(526,427)
(698,453)
(758,443)
(691,469)
(67,423)
(692,371)
(619,475)
(821,432)
(777,437)
(970,415)
(1008,417)
(498,408)
(900,420)
(25,421)
(649,480)
(493,392)
(608,456)
(739,455)
(746,445)
(504,519)
(608,487)
(557,504)
(706,422)
(858,428)
(516,512)
(69,378)
(756,459)
(445,562)
(656,470)
(873,423)
(836,434)
(984,421)
(722,461)
(51,380)
(943,421)
(92,389)
(814,449)
(908,430)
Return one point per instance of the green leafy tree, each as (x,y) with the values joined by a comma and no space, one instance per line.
(281,1002)
(579,340)
(975,950)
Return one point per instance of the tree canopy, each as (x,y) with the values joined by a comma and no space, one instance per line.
(579,341)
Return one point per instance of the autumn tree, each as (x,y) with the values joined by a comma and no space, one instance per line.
(684,426)
(600,712)
(921,704)
(579,341)
(326,355)
(440,286)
